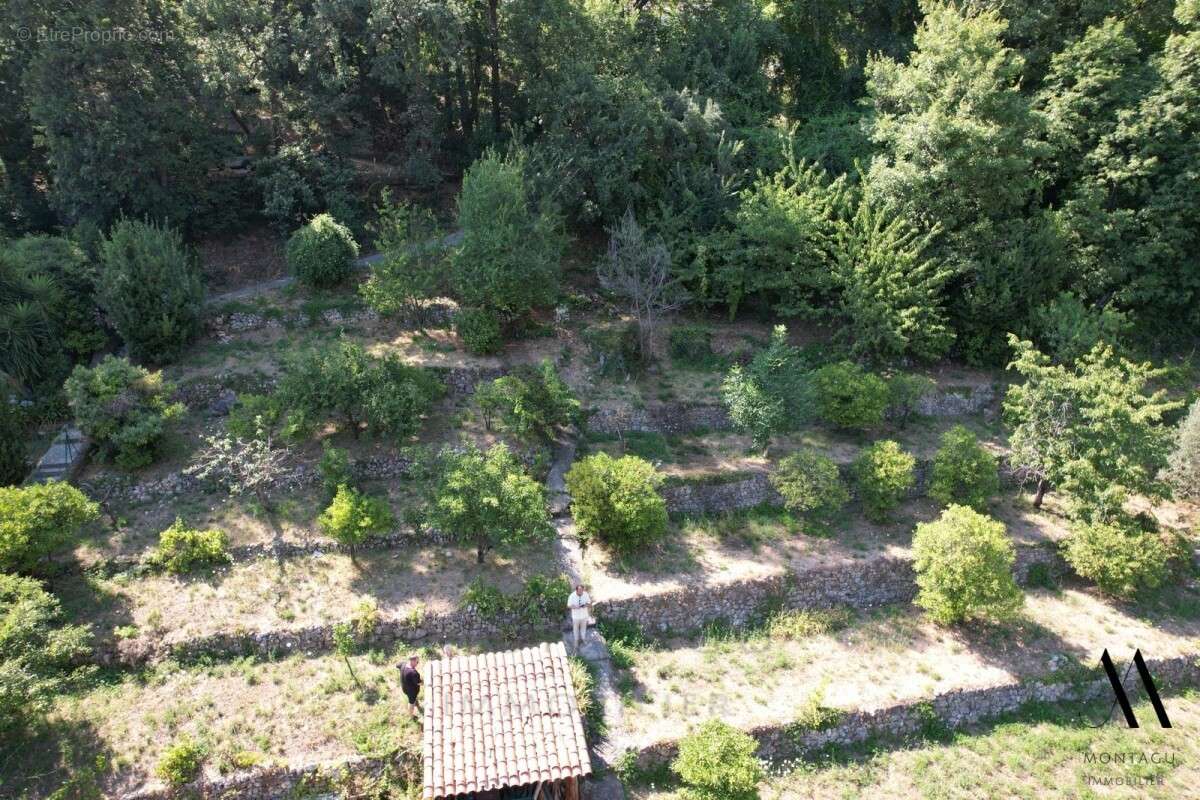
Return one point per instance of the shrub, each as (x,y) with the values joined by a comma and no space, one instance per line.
(768,395)
(539,597)
(253,416)
(1120,557)
(798,624)
(964,563)
(963,471)
(691,345)
(334,467)
(150,289)
(1183,465)
(529,402)
(411,268)
(811,485)
(13,463)
(616,500)
(848,396)
(36,651)
(716,762)
(297,183)
(479,331)
(905,390)
(1069,329)
(38,520)
(183,549)
(342,381)
(486,498)
(182,762)
(614,348)
(321,254)
(509,259)
(353,517)
(884,474)
(124,409)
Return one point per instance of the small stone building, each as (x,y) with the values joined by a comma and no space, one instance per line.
(503,726)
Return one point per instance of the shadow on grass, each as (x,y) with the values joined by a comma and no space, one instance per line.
(65,759)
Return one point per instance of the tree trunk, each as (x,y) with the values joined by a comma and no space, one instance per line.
(494,24)
(479,550)
(1042,486)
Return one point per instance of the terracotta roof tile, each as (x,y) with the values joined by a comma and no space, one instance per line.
(501,719)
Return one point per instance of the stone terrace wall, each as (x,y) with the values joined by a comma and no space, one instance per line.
(954,709)
(878,581)
(668,418)
(458,625)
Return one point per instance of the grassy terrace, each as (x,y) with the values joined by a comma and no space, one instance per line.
(1041,752)
(876,659)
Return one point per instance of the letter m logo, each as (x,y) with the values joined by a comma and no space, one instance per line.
(1123,699)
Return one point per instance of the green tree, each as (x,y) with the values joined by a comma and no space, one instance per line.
(1183,465)
(486,499)
(344,382)
(890,293)
(811,484)
(616,500)
(1119,556)
(413,261)
(509,258)
(964,562)
(532,402)
(321,254)
(716,762)
(150,289)
(848,396)
(964,473)
(884,474)
(905,391)
(1089,429)
(957,153)
(30,351)
(38,653)
(768,395)
(123,408)
(39,520)
(14,461)
(354,517)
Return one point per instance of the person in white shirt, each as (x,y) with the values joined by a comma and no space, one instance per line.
(580,603)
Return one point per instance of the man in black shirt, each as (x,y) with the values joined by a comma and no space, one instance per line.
(410,682)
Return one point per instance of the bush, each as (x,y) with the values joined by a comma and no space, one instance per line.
(411,267)
(1183,465)
(253,416)
(479,331)
(150,289)
(334,467)
(342,381)
(124,409)
(353,517)
(963,471)
(769,395)
(183,549)
(540,597)
(36,651)
(616,500)
(848,396)
(509,259)
(964,563)
(884,474)
(321,254)
(38,520)
(716,762)
(1120,557)
(1069,329)
(614,348)
(297,183)
(905,391)
(811,485)
(691,345)
(182,762)
(14,465)
(529,402)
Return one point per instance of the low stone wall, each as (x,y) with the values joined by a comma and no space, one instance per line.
(223,326)
(283,782)
(955,709)
(459,625)
(756,490)
(875,581)
(957,404)
(669,418)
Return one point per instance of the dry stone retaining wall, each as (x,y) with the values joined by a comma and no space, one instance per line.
(954,709)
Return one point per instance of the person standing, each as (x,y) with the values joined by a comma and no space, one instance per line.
(580,603)
(410,683)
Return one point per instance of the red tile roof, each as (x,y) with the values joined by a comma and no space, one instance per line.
(501,719)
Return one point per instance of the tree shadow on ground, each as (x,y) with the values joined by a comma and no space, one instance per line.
(61,756)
